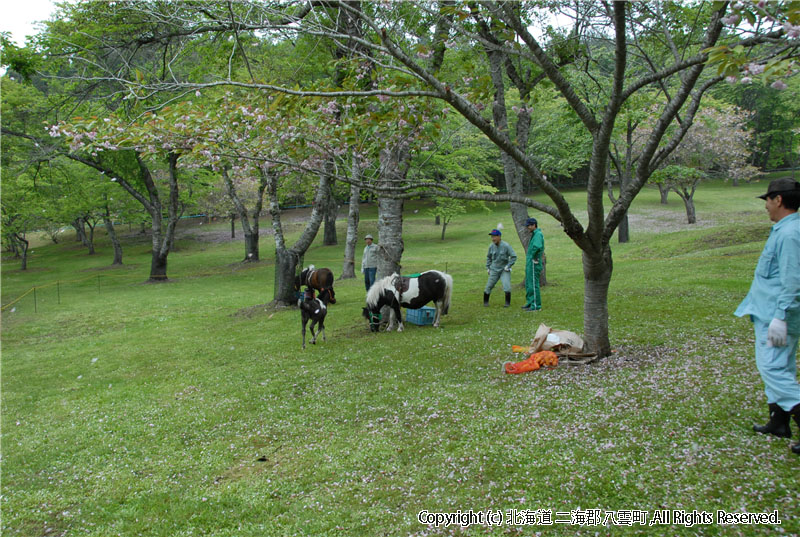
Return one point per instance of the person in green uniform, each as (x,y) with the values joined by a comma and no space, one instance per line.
(533,267)
(499,260)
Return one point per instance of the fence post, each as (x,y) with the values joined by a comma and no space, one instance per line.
(58,290)
(98,284)
(35,309)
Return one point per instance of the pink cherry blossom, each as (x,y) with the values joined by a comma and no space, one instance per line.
(755,68)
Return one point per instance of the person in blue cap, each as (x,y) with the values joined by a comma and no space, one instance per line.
(533,267)
(499,260)
(773,305)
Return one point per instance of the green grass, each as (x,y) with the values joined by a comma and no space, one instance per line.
(180,409)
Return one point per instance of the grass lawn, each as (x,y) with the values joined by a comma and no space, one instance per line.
(181,409)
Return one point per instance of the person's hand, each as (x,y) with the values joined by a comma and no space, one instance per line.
(362,270)
(489,271)
(776,333)
(507,269)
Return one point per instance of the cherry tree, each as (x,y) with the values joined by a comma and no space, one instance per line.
(775,25)
(719,142)
(148,139)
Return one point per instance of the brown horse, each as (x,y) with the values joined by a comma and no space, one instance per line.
(319,279)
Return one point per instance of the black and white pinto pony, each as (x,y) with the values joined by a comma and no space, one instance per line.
(410,292)
(314,310)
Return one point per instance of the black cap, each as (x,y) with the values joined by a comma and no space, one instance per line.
(781,186)
(531,222)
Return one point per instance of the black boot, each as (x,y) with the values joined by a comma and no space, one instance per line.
(778,423)
(508,300)
(795,413)
(486,299)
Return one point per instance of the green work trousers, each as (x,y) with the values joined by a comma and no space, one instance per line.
(533,294)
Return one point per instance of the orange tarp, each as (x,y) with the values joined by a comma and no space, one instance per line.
(533,362)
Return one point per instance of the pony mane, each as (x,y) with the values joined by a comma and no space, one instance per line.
(374,293)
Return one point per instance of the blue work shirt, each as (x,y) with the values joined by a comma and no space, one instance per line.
(500,256)
(775,291)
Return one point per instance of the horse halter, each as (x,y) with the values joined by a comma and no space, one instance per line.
(374,318)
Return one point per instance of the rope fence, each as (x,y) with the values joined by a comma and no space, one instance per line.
(63,288)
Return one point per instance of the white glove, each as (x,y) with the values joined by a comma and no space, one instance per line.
(507,269)
(489,271)
(362,270)
(776,334)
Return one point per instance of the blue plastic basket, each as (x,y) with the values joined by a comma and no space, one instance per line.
(421,316)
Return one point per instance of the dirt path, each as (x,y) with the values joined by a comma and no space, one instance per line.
(197,229)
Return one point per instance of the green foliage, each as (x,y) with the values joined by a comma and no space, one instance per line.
(20,60)
(558,142)
(677,176)
(463,162)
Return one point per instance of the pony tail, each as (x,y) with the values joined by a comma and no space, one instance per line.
(448,291)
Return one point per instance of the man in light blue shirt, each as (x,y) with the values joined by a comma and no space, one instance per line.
(773,305)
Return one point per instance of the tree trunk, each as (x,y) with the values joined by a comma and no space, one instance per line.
(251,231)
(112,234)
(289,260)
(158,266)
(90,238)
(331,211)
(162,239)
(597,269)
(438,220)
(664,190)
(622,231)
(691,216)
(444,227)
(11,245)
(250,247)
(353,216)
(80,231)
(390,236)
(394,162)
(286,265)
(23,246)
(511,169)
(543,274)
